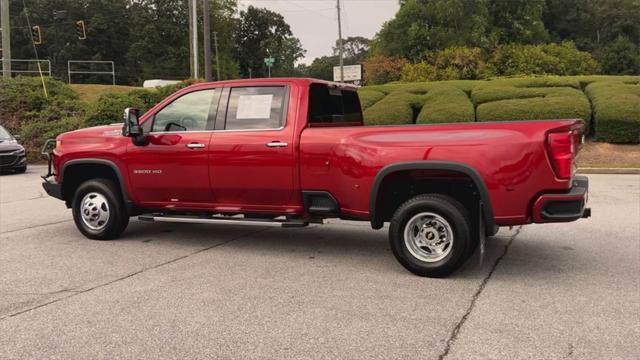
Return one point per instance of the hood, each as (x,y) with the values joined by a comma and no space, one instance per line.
(9,146)
(96,131)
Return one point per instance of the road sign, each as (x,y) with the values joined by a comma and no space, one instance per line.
(269,61)
(351,73)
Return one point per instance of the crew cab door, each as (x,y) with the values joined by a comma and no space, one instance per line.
(252,149)
(173,167)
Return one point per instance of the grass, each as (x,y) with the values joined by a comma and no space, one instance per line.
(603,155)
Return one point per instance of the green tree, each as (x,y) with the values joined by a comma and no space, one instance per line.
(107,27)
(322,67)
(355,49)
(263,33)
(622,57)
(517,21)
(593,23)
(424,25)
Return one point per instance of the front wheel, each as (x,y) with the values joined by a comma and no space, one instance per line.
(430,235)
(98,210)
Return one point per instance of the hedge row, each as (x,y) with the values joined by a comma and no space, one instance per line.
(416,104)
(614,100)
(616,110)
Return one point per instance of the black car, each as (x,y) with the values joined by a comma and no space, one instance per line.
(12,155)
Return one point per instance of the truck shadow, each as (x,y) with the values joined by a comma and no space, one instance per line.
(355,246)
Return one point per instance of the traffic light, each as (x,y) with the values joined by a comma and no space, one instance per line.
(36,34)
(81,30)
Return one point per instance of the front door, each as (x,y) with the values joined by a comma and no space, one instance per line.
(252,150)
(172,170)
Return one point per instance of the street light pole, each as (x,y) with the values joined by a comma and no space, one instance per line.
(340,43)
(206,39)
(194,26)
(6,38)
(215,44)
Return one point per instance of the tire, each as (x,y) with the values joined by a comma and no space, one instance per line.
(430,235)
(98,210)
(21,170)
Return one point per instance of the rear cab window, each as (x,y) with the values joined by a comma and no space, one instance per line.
(333,106)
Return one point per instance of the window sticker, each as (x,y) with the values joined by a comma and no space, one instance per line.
(254,106)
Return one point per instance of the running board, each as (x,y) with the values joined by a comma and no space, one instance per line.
(222,220)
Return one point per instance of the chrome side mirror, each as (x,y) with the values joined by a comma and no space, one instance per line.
(131,127)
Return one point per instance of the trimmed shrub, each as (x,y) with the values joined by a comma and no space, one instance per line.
(616,111)
(419,104)
(369,97)
(398,108)
(109,107)
(531,99)
(446,104)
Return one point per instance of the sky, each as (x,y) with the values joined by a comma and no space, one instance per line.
(315,22)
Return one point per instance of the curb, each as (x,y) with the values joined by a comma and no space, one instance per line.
(622,171)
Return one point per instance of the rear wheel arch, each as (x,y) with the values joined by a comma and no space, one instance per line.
(379,214)
(75,172)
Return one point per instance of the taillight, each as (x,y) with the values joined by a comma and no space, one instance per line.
(562,148)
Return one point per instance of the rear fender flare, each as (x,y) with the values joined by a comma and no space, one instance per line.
(487,208)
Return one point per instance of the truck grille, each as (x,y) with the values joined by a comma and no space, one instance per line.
(7,160)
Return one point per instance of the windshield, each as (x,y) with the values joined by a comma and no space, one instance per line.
(4,134)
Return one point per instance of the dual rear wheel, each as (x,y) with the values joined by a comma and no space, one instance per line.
(431,235)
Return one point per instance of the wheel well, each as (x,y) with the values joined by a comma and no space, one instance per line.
(76,174)
(400,186)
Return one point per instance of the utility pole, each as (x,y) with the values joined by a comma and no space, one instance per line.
(206,39)
(6,38)
(215,43)
(340,43)
(194,27)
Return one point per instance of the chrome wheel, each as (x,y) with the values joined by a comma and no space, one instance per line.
(95,211)
(428,237)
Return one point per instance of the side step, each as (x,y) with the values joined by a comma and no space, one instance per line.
(285,223)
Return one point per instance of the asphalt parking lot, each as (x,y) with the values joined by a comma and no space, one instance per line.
(332,291)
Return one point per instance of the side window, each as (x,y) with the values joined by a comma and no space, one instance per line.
(256,108)
(189,112)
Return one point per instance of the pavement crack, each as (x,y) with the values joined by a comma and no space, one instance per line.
(456,330)
(34,227)
(75,293)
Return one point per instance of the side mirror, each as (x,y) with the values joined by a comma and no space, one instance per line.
(131,127)
(17,137)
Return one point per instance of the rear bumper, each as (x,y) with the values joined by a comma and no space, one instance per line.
(563,207)
(53,188)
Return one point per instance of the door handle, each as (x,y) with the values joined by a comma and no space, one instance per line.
(277,144)
(195,146)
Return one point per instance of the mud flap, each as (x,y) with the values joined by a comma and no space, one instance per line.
(482,236)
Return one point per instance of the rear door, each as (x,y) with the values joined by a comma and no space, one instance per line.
(173,168)
(252,149)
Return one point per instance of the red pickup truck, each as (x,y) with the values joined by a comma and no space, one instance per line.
(289,152)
